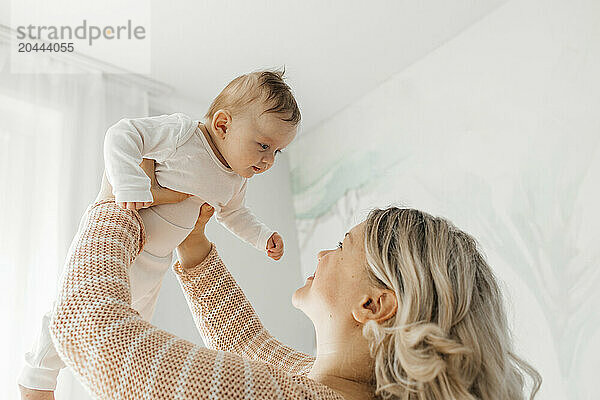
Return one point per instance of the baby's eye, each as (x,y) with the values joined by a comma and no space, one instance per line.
(264,146)
(339,245)
(278,151)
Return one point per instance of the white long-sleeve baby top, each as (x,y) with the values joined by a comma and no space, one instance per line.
(185,162)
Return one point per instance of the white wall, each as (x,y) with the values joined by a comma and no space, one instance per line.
(496,130)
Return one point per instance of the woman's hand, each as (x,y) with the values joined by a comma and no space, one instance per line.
(161,195)
(195,247)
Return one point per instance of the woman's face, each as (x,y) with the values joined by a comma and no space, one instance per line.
(340,281)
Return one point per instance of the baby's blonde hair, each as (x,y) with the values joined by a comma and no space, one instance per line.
(267,86)
(449,338)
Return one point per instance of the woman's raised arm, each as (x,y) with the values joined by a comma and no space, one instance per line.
(224,316)
(116,354)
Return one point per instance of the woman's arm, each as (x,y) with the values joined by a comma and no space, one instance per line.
(225,318)
(44,372)
(116,354)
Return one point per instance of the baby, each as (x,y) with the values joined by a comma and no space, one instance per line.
(247,125)
(251,121)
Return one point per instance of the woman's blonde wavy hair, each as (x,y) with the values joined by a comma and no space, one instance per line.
(449,338)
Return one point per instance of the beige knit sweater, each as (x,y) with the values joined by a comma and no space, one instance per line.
(117,355)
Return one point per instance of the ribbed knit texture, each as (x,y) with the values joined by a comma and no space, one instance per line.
(117,355)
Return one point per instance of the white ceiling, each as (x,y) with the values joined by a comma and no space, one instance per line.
(333,51)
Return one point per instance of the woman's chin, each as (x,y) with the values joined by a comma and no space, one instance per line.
(298,297)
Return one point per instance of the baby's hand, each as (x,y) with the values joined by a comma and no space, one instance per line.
(134,205)
(275,246)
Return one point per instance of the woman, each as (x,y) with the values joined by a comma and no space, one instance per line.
(405,307)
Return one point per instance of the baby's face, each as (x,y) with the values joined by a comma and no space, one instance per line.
(254,140)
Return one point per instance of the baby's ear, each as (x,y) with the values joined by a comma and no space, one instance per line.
(221,122)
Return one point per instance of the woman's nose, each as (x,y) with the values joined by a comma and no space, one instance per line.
(321,254)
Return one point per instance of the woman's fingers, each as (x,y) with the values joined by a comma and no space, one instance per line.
(195,247)
(163,195)
(206,211)
(148,166)
(197,234)
(160,194)
(133,205)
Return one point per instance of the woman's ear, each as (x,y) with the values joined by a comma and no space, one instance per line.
(378,307)
(220,123)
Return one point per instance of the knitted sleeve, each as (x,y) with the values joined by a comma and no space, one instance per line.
(117,355)
(227,321)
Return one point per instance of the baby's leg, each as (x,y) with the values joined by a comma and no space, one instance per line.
(165,226)
(42,363)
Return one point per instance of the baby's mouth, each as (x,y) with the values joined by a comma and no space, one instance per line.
(256,169)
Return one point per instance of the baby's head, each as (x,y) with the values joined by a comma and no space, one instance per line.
(252,120)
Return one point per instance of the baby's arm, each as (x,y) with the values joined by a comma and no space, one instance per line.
(238,218)
(130,140)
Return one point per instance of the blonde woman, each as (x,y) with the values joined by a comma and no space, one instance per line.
(405,308)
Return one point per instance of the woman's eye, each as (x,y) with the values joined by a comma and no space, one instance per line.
(339,245)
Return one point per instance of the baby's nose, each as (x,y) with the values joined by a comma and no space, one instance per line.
(269,159)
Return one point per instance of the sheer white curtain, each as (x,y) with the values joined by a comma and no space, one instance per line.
(51,134)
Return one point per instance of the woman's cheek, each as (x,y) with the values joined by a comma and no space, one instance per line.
(328,290)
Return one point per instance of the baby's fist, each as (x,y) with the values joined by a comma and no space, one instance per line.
(275,246)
